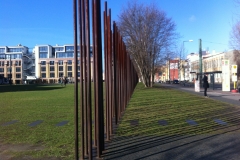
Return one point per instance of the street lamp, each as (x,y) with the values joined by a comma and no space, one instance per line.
(184,57)
(186,41)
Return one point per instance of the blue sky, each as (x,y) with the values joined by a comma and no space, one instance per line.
(36,22)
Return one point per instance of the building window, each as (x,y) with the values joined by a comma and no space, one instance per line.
(51,63)
(2,56)
(51,68)
(9,76)
(43,75)
(59,48)
(7,63)
(69,68)
(69,62)
(15,50)
(43,62)
(18,69)
(69,48)
(60,74)
(33,69)
(69,74)
(61,55)
(8,56)
(1,69)
(70,55)
(18,75)
(43,69)
(2,50)
(79,68)
(64,55)
(43,49)
(78,74)
(52,75)
(20,63)
(9,69)
(60,68)
(2,63)
(16,56)
(43,55)
(60,62)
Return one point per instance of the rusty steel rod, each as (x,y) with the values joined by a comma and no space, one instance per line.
(81,76)
(98,76)
(106,71)
(94,71)
(88,79)
(110,71)
(115,75)
(76,78)
(84,77)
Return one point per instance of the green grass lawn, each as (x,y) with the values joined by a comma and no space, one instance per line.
(149,105)
(28,103)
(53,104)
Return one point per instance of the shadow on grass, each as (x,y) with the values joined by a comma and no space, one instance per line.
(30,87)
(214,143)
(177,140)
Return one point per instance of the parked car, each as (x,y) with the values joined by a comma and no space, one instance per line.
(175,81)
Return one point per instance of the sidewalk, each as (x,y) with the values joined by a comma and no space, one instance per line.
(217,94)
(222,146)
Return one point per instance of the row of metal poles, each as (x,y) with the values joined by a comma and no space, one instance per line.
(120,78)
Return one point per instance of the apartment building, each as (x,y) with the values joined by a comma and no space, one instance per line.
(54,62)
(15,63)
(211,63)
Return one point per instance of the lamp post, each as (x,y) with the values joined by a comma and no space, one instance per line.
(200,61)
(184,57)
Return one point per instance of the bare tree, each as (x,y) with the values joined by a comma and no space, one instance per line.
(148,34)
(235,40)
(235,44)
(235,36)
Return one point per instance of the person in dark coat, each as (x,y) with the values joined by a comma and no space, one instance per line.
(65,81)
(205,84)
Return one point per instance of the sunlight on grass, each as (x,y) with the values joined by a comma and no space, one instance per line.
(149,105)
(53,104)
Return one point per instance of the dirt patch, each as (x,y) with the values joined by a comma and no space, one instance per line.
(4,156)
(6,148)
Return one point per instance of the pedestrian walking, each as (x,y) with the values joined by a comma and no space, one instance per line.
(205,84)
(61,80)
(65,81)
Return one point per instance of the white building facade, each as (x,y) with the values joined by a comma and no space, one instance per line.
(211,63)
(16,62)
(54,62)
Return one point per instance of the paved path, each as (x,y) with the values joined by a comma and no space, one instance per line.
(218,94)
(222,146)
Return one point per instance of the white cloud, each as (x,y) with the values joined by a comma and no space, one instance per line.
(192,18)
